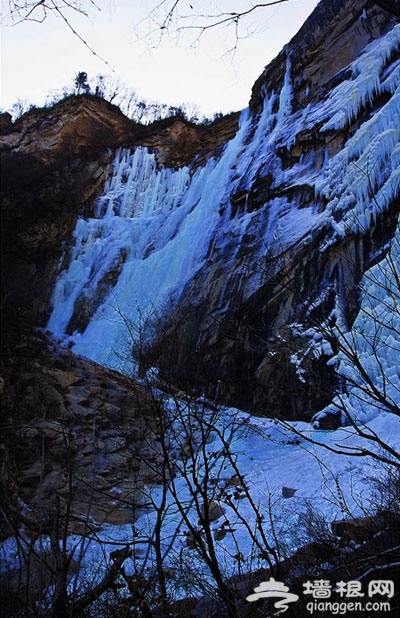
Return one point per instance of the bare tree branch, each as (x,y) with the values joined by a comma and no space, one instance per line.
(40,10)
(166,19)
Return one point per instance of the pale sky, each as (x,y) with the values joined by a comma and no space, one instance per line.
(39,57)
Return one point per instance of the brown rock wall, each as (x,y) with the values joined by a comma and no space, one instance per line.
(72,437)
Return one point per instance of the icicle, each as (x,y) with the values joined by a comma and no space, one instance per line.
(286,95)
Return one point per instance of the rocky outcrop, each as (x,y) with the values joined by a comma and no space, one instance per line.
(77,125)
(87,125)
(257,354)
(77,440)
(177,142)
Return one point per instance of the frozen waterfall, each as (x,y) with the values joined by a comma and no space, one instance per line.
(154,228)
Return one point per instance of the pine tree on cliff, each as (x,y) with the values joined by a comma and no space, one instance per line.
(81,83)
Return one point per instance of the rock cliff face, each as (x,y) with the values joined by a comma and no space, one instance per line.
(250,233)
(333,36)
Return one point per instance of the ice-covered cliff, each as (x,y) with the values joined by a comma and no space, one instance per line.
(212,251)
(235,259)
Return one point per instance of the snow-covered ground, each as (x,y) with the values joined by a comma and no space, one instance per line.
(271,460)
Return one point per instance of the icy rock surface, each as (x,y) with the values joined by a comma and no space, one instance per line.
(161,234)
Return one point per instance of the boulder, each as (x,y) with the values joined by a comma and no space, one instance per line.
(213,511)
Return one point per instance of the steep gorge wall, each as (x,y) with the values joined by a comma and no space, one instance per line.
(248,343)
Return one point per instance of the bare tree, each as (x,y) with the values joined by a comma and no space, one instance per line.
(48,578)
(166,17)
(198,498)
(173,19)
(40,10)
(365,360)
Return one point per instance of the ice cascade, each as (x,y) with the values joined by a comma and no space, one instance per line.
(155,228)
